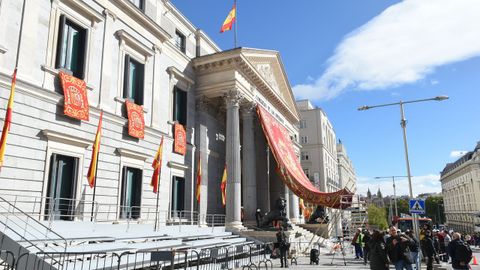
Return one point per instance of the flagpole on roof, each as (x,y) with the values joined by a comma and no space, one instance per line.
(235,24)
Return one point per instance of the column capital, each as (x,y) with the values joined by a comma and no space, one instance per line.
(248,109)
(233,98)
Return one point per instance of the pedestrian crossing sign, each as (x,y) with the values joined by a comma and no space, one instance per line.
(417,206)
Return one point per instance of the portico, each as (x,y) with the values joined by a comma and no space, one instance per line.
(229,87)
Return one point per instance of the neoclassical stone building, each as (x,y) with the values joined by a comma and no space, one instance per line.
(461,192)
(147,52)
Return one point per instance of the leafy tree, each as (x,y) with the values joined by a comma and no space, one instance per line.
(434,209)
(377,217)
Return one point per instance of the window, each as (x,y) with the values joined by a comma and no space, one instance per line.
(131,196)
(180,41)
(139,4)
(71,46)
(303,123)
(307,173)
(62,179)
(304,156)
(133,80)
(304,139)
(178,195)
(180,106)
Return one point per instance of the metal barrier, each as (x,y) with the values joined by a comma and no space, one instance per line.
(251,256)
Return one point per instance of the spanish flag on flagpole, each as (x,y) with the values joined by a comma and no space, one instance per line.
(223,186)
(92,171)
(8,119)
(230,20)
(199,179)
(157,167)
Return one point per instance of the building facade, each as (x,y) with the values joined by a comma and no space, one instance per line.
(461,192)
(146,52)
(319,157)
(348,179)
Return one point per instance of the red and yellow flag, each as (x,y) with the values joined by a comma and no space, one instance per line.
(157,167)
(223,186)
(92,171)
(8,119)
(230,20)
(199,179)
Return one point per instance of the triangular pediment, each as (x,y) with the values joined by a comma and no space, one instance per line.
(269,66)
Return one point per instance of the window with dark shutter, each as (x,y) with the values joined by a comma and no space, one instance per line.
(180,106)
(180,41)
(71,47)
(131,196)
(133,80)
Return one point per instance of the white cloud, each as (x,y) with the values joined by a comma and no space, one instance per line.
(457,153)
(403,44)
(420,184)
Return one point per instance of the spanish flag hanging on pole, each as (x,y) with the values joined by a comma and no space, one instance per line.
(157,167)
(199,179)
(92,171)
(223,186)
(230,20)
(8,119)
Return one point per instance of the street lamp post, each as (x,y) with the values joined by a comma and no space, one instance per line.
(394,190)
(403,124)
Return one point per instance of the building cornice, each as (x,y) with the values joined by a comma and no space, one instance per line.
(140,17)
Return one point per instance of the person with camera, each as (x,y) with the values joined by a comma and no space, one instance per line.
(398,249)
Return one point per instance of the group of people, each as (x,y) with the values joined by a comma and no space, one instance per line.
(402,249)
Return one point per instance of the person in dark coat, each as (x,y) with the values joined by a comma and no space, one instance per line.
(398,249)
(429,249)
(366,248)
(258,217)
(452,249)
(283,246)
(378,252)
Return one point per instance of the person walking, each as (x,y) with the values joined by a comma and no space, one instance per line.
(378,253)
(366,248)
(414,248)
(446,240)
(357,243)
(283,246)
(398,249)
(429,249)
(460,252)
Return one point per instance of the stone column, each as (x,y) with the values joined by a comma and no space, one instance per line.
(249,171)
(294,205)
(234,188)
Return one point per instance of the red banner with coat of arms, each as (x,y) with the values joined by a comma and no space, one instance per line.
(289,167)
(75,93)
(180,145)
(136,122)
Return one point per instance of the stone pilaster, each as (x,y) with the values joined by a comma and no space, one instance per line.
(202,144)
(234,188)
(249,171)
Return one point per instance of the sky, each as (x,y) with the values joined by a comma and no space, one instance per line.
(343,54)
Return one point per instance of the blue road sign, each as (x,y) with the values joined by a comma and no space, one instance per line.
(417,206)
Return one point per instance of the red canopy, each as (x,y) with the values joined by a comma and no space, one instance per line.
(291,171)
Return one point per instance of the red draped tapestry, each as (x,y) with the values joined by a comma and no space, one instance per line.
(75,93)
(136,123)
(180,144)
(290,169)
